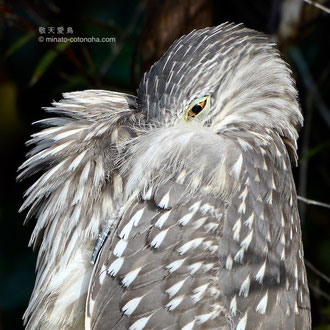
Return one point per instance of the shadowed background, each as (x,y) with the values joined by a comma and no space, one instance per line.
(34,73)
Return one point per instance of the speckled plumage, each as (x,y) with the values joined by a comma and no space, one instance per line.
(197,220)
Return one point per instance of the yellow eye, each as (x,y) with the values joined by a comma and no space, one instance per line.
(197,107)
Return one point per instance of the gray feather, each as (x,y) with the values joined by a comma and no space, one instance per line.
(201,214)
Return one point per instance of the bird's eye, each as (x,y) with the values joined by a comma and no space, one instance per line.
(197,107)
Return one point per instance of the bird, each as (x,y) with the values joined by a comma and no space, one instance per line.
(174,208)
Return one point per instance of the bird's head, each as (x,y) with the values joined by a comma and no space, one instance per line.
(208,87)
(226,78)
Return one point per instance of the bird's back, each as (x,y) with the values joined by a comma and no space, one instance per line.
(184,259)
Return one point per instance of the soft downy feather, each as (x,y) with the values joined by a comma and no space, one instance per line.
(72,199)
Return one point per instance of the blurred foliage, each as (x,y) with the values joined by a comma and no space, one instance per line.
(33,73)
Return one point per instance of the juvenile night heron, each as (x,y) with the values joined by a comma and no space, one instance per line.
(175,209)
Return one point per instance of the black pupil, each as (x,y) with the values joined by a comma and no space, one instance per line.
(196,109)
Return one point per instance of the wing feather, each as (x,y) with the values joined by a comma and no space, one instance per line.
(73,197)
(195,258)
(162,257)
